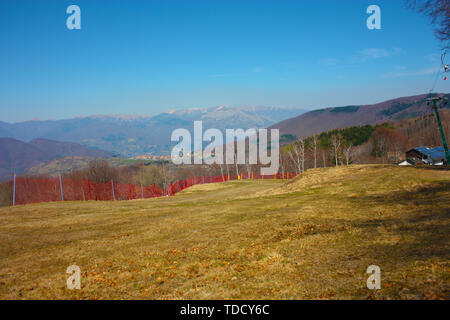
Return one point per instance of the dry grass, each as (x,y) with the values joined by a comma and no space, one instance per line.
(310,238)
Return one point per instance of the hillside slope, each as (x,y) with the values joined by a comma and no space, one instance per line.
(239,240)
(317,121)
(18,156)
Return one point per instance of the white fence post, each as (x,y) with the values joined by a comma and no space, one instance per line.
(60,184)
(14,191)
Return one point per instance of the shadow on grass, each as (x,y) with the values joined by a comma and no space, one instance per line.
(424,195)
(434,168)
(422,227)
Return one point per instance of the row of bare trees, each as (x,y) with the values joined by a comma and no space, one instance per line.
(307,153)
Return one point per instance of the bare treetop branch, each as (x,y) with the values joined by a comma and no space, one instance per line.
(439,13)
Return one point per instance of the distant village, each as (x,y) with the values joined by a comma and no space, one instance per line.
(152,157)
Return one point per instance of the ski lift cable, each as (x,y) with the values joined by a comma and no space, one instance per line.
(438,72)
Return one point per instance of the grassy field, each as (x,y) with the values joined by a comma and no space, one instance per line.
(309,238)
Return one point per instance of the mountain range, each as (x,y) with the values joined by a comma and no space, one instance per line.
(135,135)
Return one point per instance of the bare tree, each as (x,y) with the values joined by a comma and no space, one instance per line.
(388,143)
(348,152)
(324,158)
(301,143)
(380,143)
(438,11)
(314,148)
(383,148)
(101,171)
(167,176)
(148,175)
(295,159)
(297,154)
(336,143)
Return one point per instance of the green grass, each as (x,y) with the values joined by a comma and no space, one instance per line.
(309,238)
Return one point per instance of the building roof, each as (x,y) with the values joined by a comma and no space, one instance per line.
(437,153)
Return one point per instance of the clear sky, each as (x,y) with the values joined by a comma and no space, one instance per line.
(147,57)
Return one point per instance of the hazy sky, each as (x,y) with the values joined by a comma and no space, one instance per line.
(146,57)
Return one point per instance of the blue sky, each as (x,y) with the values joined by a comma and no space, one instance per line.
(147,57)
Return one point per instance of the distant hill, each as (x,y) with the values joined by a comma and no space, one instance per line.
(317,121)
(18,156)
(69,164)
(135,135)
(59,166)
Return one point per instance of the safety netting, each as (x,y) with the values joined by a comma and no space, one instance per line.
(34,190)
